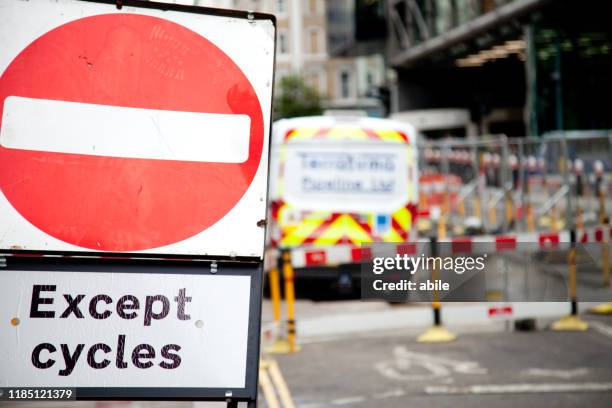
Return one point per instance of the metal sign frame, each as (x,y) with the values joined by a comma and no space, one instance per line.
(149,267)
(56,262)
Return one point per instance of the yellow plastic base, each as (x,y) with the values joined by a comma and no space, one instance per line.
(436,334)
(282,346)
(570,323)
(604,309)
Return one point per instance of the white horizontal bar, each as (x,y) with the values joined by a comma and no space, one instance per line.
(520,388)
(115,131)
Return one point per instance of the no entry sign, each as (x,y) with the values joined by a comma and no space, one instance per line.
(133,130)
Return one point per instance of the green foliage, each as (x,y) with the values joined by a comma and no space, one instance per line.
(295,98)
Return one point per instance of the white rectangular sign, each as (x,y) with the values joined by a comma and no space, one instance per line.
(103,329)
(132,129)
(363,178)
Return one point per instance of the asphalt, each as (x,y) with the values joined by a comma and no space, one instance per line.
(500,369)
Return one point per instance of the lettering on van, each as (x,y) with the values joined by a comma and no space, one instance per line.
(333,172)
(348,177)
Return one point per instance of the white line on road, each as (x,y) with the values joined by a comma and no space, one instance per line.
(348,400)
(563,374)
(312,405)
(520,388)
(473,389)
(601,328)
(390,394)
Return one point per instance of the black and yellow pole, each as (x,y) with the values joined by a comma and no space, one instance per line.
(572,322)
(600,188)
(290,299)
(604,308)
(605,244)
(275,293)
(437,333)
(280,345)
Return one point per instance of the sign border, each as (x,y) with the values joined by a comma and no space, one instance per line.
(188,8)
(212,11)
(152,267)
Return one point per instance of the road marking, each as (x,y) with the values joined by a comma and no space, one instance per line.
(435,367)
(474,389)
(116,131)
(313,405)
(396,393)
(601,328)
(348,400)
(267,389)
(563,374)
(520,388)
(390,394)
(272,384)
(281,385)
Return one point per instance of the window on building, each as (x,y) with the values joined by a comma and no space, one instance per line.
(314,41)
(369,79)
(283,42)
(312,6)
(312,78)
(345,84)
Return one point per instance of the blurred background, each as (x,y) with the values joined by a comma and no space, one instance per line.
(505,105)
(493,66)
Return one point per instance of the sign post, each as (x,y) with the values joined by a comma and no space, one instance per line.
(133,176)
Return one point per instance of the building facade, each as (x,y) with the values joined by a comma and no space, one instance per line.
(519,67)
(306,31)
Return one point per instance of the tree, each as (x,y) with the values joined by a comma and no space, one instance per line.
(295,98)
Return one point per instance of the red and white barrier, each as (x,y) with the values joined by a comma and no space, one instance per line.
(346,253)
(599,234)
(532,242)
(491,244)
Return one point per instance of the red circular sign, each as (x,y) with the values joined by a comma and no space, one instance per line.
(125,204)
